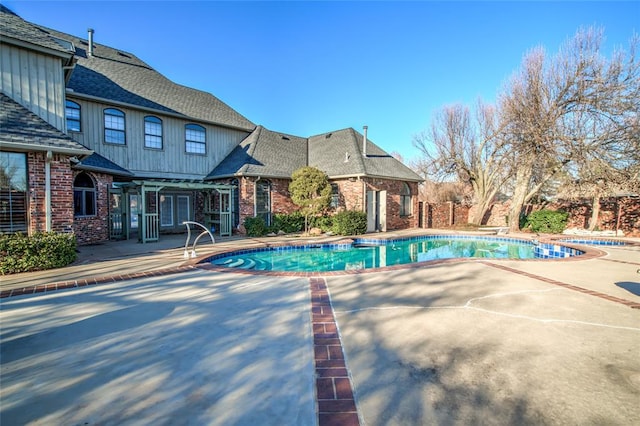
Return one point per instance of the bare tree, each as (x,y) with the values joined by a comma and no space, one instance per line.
(576,110)
(469,149)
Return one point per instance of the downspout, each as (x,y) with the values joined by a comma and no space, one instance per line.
(255,197)
(47,189)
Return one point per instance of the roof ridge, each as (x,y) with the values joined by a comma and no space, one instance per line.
(358,150)
(255,137)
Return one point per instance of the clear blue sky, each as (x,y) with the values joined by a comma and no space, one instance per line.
(311,67)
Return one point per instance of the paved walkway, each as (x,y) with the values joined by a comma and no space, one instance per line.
(464,342)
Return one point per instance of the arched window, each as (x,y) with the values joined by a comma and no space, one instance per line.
(152,132)
(405,200)
(263,200)
(114,128)
(195,139)
(72,113)
(84,196)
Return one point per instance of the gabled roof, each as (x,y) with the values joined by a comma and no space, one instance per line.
(15,29)
(22,130)
(120,76)
(339,154)
(264,153)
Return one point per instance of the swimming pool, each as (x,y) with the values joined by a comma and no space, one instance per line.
(366,253)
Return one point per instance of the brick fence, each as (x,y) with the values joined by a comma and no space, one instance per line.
(616,213)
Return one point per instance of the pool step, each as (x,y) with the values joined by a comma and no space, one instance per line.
(244,263)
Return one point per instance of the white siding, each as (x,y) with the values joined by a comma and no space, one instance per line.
(34,80)
(171,161)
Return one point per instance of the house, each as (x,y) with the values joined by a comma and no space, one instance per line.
(366,179)
(95,141)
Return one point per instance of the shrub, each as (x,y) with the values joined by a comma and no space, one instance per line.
(255,226)
(325,223)
(311,191)
(40,251)
(350,222)
(288,223)
(547,221)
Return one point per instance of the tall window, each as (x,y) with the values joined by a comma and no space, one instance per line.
(183,207)
(335,196)
(166,210)
(84,196)
(13,192)
(152,132)
(263,200)
(196,138)
(114,131)
(72,112)
(405,200)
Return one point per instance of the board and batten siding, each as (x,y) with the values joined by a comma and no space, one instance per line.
(170,162)
(35,81)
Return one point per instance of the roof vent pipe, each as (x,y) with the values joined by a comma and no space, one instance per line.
(90,50)
(364,141)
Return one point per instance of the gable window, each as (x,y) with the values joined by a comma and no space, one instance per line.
(405,200)
(13,192)
(72,113)
(114,126)
(152,132)
(84,196)
(335,196)
(195,139)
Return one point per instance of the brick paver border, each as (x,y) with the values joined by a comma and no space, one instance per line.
(62,285)
(629,303)
(334,393)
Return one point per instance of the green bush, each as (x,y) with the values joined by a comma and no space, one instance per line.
(40,251)
(288,223)
(325,223)
(350,222)
(255,227)
(547,221)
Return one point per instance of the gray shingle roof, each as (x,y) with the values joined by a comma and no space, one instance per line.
(122,77)
(339,153)
(13,26)
(22,129)
(96,162)
(264,153)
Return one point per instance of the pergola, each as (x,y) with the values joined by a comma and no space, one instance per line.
(217,208)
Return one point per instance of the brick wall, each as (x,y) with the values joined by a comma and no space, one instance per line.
(394,188)
(445,215)
(94,229)
(61,195)
(280,197)
(615,213)
(352,193)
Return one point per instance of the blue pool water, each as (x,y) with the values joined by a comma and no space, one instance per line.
(371,253)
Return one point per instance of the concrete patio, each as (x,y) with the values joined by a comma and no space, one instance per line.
(468,342)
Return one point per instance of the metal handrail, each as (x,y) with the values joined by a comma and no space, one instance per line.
(193,247)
